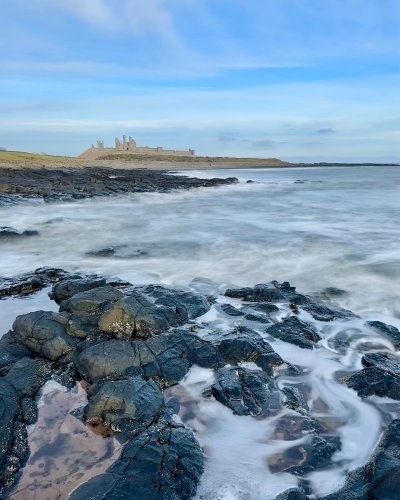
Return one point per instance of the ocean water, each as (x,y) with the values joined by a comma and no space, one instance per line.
(315,227)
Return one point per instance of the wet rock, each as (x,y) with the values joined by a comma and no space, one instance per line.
(243,344)
(11,350)
(313,454)
(324,313)
(257,318)
(136,316)
(28,375)
(265,292)
(11,233)
(164,461)
(195,305)
(264,307)
(118,403)
(44,332)
(380,477)
(242,390)
(22,286)
(68,288)
(295,399)
(29,411)
(292,494)
(295,332)
(381,376)
(89,305)
(231,310)
(8,415)
(103,252)
(108,360)
(389,331)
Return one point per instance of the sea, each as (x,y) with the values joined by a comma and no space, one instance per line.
(316,227)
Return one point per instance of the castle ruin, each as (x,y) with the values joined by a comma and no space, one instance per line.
(131,146)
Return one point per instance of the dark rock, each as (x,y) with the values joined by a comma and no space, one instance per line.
(67,288)
(389,331)
(89,305)
(243,344)
(295,399)
(315,453)
(164,461)
(294,331)
(379,479)
(118,402)
(45,333)
(11,350)
(136,316)
(29,411)
(11,233)
(265,292)
(292,494)
(244,391)
(103,252)
(323,313)
(195,305)
(265,307)
(231,310)
(257,318)
(22,286)
(8,415)
(27,376)
(381,376)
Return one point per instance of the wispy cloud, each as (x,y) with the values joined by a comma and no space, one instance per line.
(325,131)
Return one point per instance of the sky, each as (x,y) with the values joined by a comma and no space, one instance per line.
(300,80)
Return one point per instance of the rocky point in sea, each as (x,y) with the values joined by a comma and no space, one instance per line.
(127,345)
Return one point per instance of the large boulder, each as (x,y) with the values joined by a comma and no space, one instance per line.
(116,403)
(295,332)
(379,479)
(45,333)
(380,377)
(9,408)
(66,289)
(164,461)
(89,305)
(242,390)
(28,375)
(137,316)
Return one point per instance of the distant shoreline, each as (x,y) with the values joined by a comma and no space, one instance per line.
(17,159)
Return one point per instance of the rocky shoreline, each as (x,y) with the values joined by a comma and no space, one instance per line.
(128,344)
(74,184)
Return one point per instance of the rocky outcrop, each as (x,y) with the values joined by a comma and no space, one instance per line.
(380,377)
(295,332)
(7,233)
(389,331)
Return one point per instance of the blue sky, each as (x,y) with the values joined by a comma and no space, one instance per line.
(301,80)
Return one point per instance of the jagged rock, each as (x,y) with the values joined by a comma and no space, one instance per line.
(324,313)
(242,390)
(195,305)
(296,332)
(264,307)
(89,305)
(295,400)
(116,403)
(136,316)
(66,289)
(22,286)
(381,376)
(257,318)
(243,344)
(44,332)
(164,461)
(265,292)
(380,477)
(389,331)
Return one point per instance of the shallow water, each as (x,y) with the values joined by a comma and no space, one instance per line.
(315,227)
